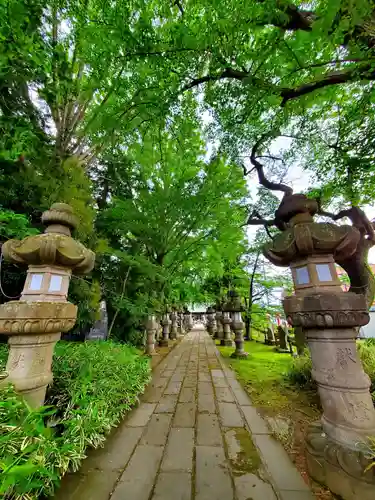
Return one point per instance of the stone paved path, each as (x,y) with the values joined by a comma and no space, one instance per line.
(195,436)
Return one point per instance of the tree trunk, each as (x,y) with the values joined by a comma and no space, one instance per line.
(248,335)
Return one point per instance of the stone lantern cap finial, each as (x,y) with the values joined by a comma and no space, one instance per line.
(59,218)
(55,247)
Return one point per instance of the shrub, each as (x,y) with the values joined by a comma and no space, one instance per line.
(371,452)
(300,372)
(366,351)
(94,385)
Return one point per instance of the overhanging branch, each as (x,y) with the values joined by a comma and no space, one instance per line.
(273,186)
(365,72)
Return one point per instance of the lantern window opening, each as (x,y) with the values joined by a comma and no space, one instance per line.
(324,272)
(302,275)
(36,282)
(55,284)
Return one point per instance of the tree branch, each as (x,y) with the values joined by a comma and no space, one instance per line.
(273,186)
(365,72)
(255,219)
(227,73)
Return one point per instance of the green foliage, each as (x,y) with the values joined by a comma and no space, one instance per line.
(171,219)
(124,142)
(263,375)
(94,385)
(300,371)
(87,296)
(366,351)
(14,225)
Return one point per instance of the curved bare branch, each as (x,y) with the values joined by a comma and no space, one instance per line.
(273,186)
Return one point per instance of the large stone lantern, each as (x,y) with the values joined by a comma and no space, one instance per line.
(330,319)
(211,321)
(36,321)
(238,326)
(226,321)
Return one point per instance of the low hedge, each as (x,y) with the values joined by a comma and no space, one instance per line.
(300,371)
(95,383)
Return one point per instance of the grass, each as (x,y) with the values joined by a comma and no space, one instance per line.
(263,374)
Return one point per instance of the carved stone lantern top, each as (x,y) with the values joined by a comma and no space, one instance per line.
(55,247)
(233,303)
(302,237)
(310,248)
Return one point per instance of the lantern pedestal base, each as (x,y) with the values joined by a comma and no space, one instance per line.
(269,342)
(282,350)
(34,328)
(153,353)
(226,342)
(173,335)
(239,355)
(340,469)
(164,343)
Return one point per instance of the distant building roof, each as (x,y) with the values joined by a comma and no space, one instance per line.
(198,308)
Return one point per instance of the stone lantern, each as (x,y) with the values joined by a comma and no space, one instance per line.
(190,322)
(226,321)
(238,326)
(186,317)
(211,321)
(181,330)
(35,322)
(174,326)
(152,327)
(166,322)
(219,334)
(330,319)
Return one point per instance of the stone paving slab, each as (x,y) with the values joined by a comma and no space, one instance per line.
(172,446)
(208,432)
(251,484)
(113,458)
(212,479)
(172,486)
(230,415)
(286,477)
(157,429)
(167,404)
(138,478)
(255,422)
(185,415)
(187,395)
(206,403)
(179,450)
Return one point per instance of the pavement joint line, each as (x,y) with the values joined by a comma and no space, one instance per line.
(269,476)
(169,432)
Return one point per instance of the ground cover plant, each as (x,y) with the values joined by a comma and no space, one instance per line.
(95,384)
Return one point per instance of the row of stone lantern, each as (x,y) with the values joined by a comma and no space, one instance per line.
(226,319)
(174,325)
